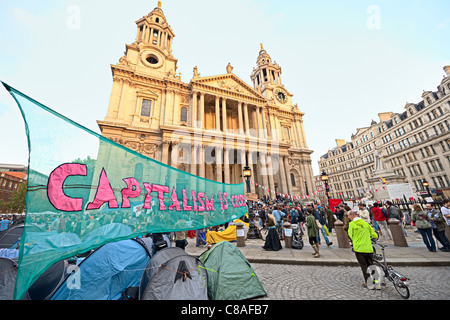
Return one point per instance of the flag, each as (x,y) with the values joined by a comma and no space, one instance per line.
(83,190)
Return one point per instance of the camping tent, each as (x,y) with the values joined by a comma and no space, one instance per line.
(106,272)
(11,236)
(230,275)
(47,283)
(8,274)
(172,274)
(229,234)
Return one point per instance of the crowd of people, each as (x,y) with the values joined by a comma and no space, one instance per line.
(427,220)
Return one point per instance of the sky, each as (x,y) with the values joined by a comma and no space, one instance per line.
(344,61)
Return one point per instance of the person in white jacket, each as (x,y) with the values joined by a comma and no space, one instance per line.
(364,213)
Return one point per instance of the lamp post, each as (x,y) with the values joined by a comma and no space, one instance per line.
(324,178)
(427,186)
(247,174)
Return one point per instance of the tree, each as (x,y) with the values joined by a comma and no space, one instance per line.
(17,202)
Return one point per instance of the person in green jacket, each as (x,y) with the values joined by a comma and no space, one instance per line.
(313,230)
(361,233)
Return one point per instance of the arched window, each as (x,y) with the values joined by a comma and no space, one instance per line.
(293,179)
(138,171)
(183,114)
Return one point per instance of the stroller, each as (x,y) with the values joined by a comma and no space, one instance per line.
(297,235)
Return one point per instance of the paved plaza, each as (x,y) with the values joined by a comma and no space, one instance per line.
(292,274)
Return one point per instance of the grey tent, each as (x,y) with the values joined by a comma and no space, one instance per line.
(8,274)
(11,236)
(230,275)
(172,274)
(48,282)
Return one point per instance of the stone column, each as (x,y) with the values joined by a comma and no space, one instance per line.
(270,175)
(217,113)
(224,114)
(194,110)
(165,153)
(202,110)
(247,132)
(226,163)
(258,122)
(250,164)
(282,175)
(193,159)
(264,171)
(265,135)
(241,125)
(201,161)
(288,175)
(219,161)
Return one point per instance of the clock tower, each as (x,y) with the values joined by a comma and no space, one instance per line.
(266,78)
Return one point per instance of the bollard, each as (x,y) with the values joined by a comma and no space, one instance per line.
(240,234)
(342,237)
(287,235)
(397,233)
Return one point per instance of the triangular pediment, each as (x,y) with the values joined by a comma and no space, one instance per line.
(360,130)
(147,92)
(228,82)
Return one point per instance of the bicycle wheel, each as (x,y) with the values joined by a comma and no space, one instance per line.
(401,287)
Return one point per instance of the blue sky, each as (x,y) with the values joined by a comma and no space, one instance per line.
(344,61)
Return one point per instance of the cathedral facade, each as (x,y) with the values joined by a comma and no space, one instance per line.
(213,126)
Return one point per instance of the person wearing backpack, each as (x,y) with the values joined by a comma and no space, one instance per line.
(423,224)
(438,223)
(294,215)
(393,213)
(380,219)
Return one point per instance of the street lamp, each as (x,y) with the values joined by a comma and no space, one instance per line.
(324,178)
(247,174)
(427,186)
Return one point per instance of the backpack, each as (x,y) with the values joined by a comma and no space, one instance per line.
(384,213)
(158,241)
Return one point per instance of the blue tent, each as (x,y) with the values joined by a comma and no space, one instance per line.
(106,272)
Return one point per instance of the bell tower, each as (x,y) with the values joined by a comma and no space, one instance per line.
(151,53)
(266,78)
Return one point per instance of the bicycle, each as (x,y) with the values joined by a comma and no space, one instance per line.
(398,280)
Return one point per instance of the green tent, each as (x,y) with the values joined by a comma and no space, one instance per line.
(230,275)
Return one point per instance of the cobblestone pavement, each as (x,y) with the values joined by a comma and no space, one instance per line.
(308,282)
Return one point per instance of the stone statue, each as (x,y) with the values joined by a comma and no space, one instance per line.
(196,74)
(229,68)
(378,161)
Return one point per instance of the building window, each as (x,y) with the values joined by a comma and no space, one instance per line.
(293,179)
(183,114)
(146,108)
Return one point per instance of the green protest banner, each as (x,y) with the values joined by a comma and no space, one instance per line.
(85,191)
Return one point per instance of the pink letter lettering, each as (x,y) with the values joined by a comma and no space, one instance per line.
(148,197)
(175,202)
(55,190)
(104,194)
(185,206)
(209,204)
(225,206)
(201,195)
(129,192)
(161,190)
